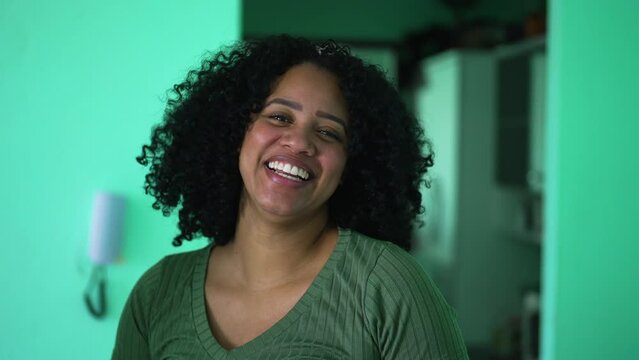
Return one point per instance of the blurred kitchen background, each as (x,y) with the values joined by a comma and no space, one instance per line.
(530,227)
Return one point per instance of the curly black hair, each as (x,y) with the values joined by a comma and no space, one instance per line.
(193,156)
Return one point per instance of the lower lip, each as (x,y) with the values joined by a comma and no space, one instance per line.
(282,180)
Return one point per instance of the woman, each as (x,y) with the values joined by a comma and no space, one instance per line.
(293,158)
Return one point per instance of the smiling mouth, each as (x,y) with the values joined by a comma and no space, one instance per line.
(288,171)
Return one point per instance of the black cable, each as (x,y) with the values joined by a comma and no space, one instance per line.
(98,279)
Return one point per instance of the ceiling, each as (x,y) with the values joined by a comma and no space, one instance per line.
(367,20)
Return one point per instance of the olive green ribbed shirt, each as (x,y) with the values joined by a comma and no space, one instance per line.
(371,300)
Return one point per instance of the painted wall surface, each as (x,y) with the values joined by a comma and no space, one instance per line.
(81,85)
(591,270)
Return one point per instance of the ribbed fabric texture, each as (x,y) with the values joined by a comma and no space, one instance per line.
(371,300)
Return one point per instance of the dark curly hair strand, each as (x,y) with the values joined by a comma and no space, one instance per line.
(193,156)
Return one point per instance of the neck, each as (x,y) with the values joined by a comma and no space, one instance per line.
(273,252)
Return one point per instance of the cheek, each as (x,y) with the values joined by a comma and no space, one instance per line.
(248,153)
(245,151)
(336,162)
(260,134)
(251,143)
(257,140)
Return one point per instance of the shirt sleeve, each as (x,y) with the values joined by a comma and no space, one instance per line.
(407,314)
(131,340)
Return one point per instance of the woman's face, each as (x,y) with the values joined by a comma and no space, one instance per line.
(294,152)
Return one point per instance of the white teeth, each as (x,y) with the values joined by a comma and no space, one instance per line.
(288,171)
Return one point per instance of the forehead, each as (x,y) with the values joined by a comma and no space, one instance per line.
(310,82)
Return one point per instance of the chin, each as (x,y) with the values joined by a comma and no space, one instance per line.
(284,211)
(288,210)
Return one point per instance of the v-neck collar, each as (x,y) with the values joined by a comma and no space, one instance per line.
(200,319)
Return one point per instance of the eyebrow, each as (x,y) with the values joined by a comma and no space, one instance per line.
(329,116)
(297,106)
(292,104)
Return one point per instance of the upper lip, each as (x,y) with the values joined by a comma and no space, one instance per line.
(294,162)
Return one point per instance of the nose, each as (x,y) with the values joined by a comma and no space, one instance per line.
(299,140)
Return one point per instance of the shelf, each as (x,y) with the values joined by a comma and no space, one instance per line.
(527,46)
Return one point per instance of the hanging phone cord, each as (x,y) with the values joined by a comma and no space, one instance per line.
(97,283)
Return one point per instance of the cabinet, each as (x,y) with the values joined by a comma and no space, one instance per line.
(464,244)
(521,91)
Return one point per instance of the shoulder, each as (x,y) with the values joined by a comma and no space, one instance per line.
(170,272)
(383,258)
(360,246)
(386,270)
(404,310)
(396,263)
(148,300)
(185,262)
(388,263)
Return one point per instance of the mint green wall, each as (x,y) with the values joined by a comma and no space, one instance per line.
(81,84)
(591,267)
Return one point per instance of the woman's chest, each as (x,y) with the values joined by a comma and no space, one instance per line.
(322,325)
(238,316)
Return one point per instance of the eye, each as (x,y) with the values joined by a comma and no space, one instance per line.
(280,118)
(330,134)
